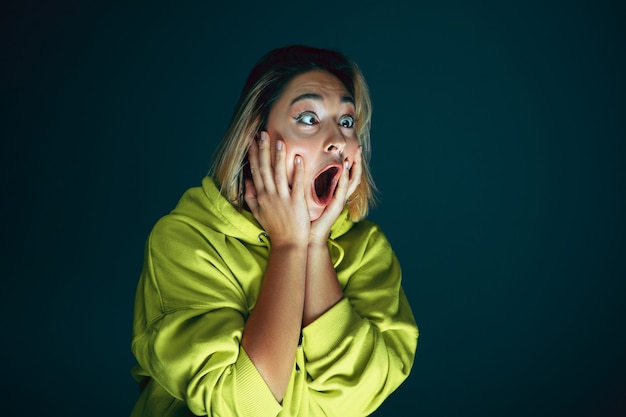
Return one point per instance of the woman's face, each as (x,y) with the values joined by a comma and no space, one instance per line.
(315,118)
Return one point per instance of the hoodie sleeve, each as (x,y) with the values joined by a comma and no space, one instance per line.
(363,348)
(189,318)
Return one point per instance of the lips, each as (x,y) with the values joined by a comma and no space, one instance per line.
(324,184)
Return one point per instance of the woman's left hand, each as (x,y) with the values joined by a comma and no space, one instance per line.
(348,182)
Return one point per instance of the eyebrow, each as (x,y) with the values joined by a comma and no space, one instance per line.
(313,96)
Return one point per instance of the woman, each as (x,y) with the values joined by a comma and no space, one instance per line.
(265,292)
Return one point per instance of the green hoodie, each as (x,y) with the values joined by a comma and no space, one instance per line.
(202,273)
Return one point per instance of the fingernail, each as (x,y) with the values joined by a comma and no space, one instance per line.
(279,145)
(298,160)
(263,135)
(346,163)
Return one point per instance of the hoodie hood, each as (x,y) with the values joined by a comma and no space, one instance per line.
(209,207)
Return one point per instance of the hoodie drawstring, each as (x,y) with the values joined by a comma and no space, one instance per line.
(336,252)
(264,238)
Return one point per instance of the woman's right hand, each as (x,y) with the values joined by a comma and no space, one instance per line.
(279,208)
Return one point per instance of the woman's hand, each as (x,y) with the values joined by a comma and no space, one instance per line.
(281,210)
(348,182)
(271,333)
(322,286)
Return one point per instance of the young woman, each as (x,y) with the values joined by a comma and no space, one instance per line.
(266,292)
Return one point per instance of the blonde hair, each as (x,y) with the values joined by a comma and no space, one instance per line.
(263,87)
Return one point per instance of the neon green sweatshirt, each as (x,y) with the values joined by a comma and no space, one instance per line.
(202,272)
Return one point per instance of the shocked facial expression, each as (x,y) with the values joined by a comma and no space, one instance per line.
(315,118)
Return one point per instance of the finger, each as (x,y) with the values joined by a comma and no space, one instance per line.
(338,202)
(341,193)
(253,160)
(356,172)
(280,170)
(297,184)
(265,164)
(250,197)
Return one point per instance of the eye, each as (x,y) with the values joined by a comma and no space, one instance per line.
(307,117)
(347,121)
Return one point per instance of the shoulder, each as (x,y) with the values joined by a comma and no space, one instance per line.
(365,243)
(365,231)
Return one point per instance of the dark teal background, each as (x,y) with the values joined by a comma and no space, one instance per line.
(498,147)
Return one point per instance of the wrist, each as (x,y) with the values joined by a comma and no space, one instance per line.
(317,244)
(289,245)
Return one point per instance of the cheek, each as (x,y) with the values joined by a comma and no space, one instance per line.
(293,142)
(290,153)
(351,149)
(275,136)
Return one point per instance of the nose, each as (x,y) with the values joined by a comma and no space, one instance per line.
(334,142)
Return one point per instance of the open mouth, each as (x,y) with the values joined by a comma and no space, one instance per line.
(324,184)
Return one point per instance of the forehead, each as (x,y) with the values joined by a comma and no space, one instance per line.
(316,81)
